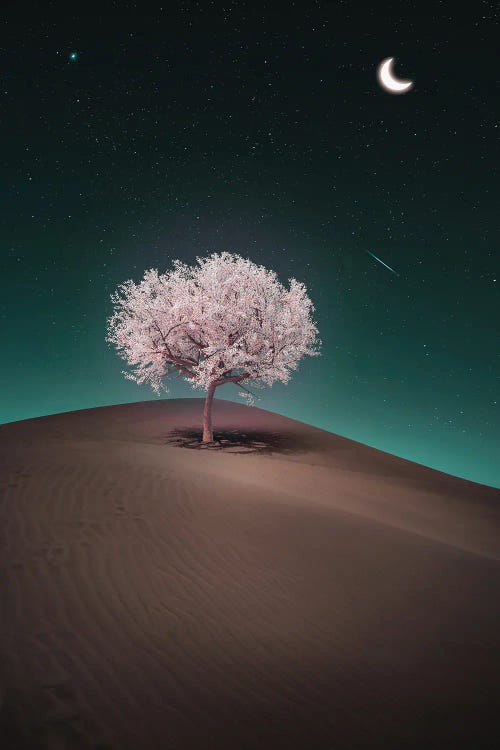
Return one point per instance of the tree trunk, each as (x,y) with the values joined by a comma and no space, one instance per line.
(208,435)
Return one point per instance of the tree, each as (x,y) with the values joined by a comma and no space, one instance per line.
(226,320)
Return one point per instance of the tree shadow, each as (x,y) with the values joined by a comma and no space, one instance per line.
(236,441)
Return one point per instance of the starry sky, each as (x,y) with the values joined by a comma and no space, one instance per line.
(140,133)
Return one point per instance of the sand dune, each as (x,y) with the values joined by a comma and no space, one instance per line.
(288,589)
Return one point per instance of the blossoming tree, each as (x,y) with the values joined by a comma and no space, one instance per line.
(226,320)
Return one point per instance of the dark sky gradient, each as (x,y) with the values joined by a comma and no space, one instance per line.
(261,129)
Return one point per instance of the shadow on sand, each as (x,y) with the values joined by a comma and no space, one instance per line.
(237,441)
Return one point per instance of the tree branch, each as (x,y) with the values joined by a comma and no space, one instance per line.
(196,343)
(245,389)
(232,379)
(176,360)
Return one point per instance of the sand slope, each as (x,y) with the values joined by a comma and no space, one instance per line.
(292,589)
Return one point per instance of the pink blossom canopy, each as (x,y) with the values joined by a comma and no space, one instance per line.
(223,320)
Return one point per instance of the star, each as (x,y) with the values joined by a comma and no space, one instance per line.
(73,56)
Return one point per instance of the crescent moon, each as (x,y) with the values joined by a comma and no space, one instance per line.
(388,81)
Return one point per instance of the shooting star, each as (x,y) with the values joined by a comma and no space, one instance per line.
(381,261)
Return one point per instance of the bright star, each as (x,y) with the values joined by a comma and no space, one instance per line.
(73,56)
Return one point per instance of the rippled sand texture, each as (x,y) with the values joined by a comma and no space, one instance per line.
(283,588)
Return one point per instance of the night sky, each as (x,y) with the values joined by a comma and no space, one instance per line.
(138,134)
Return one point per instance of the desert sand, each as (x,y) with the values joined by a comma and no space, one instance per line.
(285,588)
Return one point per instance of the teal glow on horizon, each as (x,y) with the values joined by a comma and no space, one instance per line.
(266,135)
